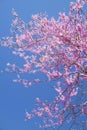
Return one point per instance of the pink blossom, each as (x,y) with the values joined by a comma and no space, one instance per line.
(59,90)
(74,92)
(28,116)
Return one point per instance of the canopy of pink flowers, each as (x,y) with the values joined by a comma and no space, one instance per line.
(57,48)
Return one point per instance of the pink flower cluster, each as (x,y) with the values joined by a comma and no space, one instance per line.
(57,48)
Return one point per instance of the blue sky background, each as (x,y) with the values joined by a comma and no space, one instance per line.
(14,98)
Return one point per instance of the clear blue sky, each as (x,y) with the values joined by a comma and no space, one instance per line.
(14,98)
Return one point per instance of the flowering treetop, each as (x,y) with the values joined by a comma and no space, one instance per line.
(57,48)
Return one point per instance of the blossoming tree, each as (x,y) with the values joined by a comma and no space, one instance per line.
(57,48)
